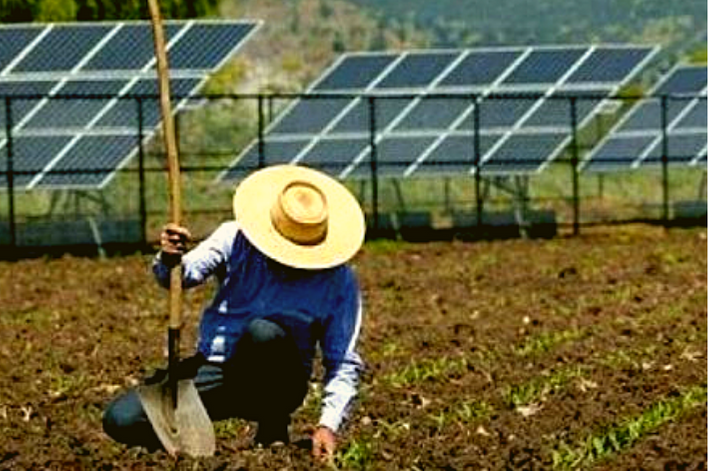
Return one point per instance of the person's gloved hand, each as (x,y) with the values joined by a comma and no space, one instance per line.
(173,244)
(324,443)
(185,369)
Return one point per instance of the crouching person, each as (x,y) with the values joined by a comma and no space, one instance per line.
(285,289)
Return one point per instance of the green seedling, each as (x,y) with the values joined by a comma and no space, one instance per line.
(626,432)
(547,341)
(357,454)
(428,369)
(538,387)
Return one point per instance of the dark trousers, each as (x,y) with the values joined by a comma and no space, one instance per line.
(265,381)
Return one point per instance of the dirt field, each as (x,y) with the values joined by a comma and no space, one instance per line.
(585,352)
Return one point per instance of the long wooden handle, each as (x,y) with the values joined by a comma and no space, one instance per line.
(173,168)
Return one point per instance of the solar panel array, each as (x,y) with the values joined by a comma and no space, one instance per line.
(637,139)
(108,58)
(426,133)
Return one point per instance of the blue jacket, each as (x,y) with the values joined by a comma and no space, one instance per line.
(322,308)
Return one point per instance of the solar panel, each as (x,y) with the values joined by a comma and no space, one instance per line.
(13,40)
(637,138)
(354,72)
(544,66)
(55,138)
(608,65)
(417,70)
(520,92)
(356,120)
(333,155)
(62,48)
(479,68)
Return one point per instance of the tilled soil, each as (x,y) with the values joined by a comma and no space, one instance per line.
(487,355)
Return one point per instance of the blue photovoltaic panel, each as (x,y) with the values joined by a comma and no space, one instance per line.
(107,58)
(456,154)
(433,113)
(206,46)
(417,70)
(310,116)
(355,72)
(124,112)
(62,48)
(277,152)
(637,138)
(357,118)
(30,155)
(135,38)
(500,111)
(609,64)
(89,161)
(619,152)
(696,116)
(479,68)
(66,113)
(556,112)
(20,108)
(524,152)
(515,89)
(334,155)
(394,154)
(14,40)
(681,148)
(544,66)
(692,79)
(647,116)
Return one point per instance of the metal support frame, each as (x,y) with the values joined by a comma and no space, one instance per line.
(10,172)
(373,162)
(476,162)
(141,176)
(261,125)
(575,165)
(399,194)
(665,163)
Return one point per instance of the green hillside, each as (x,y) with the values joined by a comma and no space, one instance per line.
(493,22)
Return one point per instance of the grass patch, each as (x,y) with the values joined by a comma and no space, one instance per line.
(229,429)
(538,387)
(357,454)
(547,341)
(465,412)
(429,369)
(626,433)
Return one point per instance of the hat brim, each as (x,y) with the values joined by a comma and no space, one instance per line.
(255,196)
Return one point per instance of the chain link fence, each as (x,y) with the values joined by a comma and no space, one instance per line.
(69,183)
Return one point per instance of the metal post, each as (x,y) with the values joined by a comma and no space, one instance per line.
(10,173)
(665,161)
(270,108)
(261,155)
(141,177)
(476,162)
(373,162)
(575,163)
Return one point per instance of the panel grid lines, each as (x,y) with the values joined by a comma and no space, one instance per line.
(86,62)
(641,124)
(422,116)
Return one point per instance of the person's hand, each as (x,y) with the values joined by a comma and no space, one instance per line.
(173,243)
(324,442)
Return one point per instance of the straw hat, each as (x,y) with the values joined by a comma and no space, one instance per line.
(299,217)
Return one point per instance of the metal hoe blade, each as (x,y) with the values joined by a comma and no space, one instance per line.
(186,429)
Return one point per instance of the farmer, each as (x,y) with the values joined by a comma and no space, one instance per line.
(284,288)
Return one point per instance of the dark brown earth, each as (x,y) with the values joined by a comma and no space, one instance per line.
(596,329)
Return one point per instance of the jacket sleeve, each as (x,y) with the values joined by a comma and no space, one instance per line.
(203,261)
(343,365)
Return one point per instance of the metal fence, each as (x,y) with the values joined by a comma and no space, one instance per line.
(461,195)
